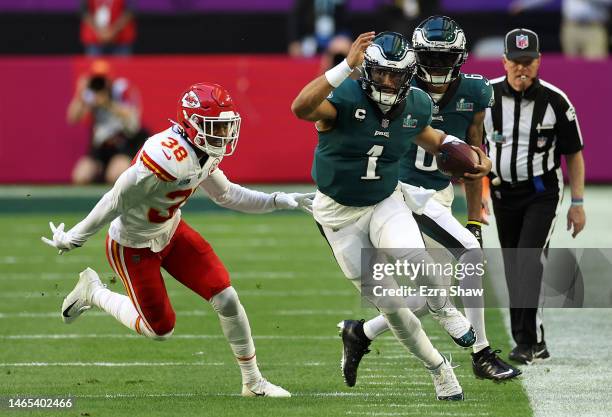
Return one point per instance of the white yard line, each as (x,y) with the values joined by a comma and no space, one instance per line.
(180,293)
(109,364)
(175,336)
(192,313)
(56,314)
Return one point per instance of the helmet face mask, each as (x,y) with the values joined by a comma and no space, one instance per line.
(388,68)
(208,118)
(217,136)
(440,48)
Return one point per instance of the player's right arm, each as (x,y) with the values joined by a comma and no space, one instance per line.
(140,179)
(311,104)
(126,192)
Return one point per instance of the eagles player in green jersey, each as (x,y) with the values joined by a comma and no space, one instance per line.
(364,128)
(460,101)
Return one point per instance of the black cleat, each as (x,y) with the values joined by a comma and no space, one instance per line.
(528,354)
(355,345)
(487,365)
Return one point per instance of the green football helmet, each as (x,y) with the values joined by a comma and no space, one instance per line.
(390,55)
(439,44)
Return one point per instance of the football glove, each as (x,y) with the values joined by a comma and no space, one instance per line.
(475,227)
(64,241)
(294,200)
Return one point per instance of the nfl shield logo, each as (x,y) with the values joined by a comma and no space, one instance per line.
(522,41)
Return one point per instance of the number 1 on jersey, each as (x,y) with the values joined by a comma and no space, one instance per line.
(373,153)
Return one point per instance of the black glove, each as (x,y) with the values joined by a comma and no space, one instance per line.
(475,227)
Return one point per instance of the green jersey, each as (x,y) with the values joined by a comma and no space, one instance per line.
(356,163)
(453,114)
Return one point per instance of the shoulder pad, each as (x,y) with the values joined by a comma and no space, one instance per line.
(160,159)
(478,88)
(421,97)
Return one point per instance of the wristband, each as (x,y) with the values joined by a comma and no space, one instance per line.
(451,138)
(577,201)
(474,222)
(338,74)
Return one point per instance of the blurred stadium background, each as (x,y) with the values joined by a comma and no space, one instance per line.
(283,270)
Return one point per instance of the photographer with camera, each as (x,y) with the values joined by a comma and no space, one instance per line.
(113,107)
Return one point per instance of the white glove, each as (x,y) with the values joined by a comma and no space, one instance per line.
(294,200)
(64,241)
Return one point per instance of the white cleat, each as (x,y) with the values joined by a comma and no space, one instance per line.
(263,388)
(456,325)
(79,299)
(446,383)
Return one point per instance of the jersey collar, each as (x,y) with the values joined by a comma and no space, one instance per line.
(529,94)
(448,94)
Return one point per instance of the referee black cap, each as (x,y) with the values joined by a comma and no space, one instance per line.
(521,43)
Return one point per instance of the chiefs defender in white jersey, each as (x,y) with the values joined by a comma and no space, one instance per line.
(147,232)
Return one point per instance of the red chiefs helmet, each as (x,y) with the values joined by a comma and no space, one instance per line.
(207,115)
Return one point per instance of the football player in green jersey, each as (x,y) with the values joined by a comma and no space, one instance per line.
(460,101)
(364,129)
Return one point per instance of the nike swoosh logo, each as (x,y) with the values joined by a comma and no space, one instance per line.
(166,155)
(257,394)
(508,372)
(65,312)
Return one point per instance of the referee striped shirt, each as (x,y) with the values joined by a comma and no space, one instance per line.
(527,132)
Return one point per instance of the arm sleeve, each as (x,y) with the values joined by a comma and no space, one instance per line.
(235,197)
(128,190)
(569,137)
(340,97)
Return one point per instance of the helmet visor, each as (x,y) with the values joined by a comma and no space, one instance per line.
(388,81)
(438,59)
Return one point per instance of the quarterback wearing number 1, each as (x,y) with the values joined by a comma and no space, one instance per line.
(460,101)
(364,129)
(147,233)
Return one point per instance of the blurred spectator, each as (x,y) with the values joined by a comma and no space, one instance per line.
(403,16)
(107,27)
(314,23)
(114,110)
(584,31)
(336,51)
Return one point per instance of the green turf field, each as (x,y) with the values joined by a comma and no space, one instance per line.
(294,295)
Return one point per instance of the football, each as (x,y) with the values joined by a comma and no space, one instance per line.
(457,158)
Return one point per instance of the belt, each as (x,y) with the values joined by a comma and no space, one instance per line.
(538,182)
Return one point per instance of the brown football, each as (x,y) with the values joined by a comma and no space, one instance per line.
(457,158)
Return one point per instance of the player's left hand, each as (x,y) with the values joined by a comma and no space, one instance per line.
(576,218)
(294,200)
(61,240)
(475,227)
(483,168)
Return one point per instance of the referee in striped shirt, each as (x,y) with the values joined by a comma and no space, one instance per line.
(530,126)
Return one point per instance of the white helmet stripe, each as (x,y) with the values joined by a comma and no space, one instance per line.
(375,53)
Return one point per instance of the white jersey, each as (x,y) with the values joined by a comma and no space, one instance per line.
(168,172)
(144,204)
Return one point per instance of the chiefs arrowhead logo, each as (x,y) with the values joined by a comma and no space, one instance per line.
(190,100)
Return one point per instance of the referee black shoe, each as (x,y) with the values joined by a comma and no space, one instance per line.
(528,354)
(355,345)
(487,365)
